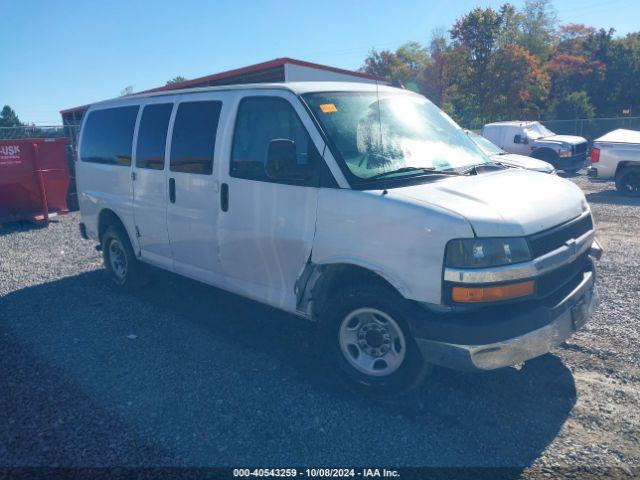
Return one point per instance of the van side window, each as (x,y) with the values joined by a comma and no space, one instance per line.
(107,136)
(260,120)
(194,137)
(152,136)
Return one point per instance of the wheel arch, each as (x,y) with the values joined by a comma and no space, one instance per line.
(545,153)
(625,164)
(108,217)
(322,280)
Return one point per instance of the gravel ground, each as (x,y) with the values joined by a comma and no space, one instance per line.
(184,374)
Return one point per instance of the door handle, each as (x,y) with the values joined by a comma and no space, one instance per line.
(172,190)
(224,197)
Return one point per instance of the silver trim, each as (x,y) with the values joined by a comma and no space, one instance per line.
(512,351)
(567,253)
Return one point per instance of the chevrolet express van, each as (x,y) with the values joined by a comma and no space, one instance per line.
(361,207)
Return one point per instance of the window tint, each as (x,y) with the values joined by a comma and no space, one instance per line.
(194,137)
(107,136)
(152,136)
(260,120)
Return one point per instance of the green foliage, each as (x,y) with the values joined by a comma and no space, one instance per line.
(510,64)
(574,105)
(8,117)
(174,80)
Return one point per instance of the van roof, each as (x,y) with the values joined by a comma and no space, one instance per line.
(297,88)
(512,123)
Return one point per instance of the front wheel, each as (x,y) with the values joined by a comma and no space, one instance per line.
(367,340)
(628,181)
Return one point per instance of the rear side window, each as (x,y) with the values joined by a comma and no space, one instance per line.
(194,137)
(260,120)
(107,136)
(152,136)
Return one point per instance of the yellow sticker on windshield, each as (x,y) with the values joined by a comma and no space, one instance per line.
(328,108)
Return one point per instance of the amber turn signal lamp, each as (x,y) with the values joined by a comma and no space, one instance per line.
(492,294)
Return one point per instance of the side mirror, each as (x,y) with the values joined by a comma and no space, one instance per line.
(282,161)
(517,139)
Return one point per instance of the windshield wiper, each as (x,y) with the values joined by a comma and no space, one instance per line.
(424,170)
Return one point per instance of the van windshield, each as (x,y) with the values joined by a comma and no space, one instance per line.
(485,145)
(392,134)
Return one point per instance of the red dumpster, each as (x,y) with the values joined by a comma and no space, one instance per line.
(34,178)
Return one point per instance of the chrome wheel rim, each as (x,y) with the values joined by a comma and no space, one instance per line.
(372,342)
(117,259)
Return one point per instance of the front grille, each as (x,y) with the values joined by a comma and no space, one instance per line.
(552,281)
(580,148)
(545,242)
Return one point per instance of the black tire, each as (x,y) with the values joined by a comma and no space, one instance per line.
(115,242)
(628,181)
(411,371)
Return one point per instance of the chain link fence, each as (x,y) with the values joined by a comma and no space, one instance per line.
(589,128)
(40,131)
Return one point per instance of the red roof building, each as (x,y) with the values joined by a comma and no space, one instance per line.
(278,70)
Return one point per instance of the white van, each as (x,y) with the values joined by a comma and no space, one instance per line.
(564,152)
(362,207)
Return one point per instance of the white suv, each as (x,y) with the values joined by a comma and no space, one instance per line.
(361,207)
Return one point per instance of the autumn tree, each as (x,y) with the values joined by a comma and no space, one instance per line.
(519,87)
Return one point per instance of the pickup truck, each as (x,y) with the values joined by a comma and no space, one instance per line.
(564,152)
(363,208)
(511,159)
(616,156)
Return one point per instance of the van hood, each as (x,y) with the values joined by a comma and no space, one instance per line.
(570,139)
(512,202)
(523,162)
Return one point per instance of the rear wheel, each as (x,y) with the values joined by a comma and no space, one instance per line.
(124,268)
(367,340)
(628,181)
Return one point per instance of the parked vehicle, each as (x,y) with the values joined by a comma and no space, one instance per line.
(362,207)
(499,155)
(616,156)
(564,152)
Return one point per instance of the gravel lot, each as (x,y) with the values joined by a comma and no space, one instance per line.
(184,374)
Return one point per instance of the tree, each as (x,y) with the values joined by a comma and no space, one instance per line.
(9,118)
(574,105)
(572,72)
(404,65)
(174,80)
(539,21)
(128,90)
(476,35)
(519,88)
(434,79)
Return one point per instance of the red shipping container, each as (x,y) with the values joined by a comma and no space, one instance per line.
(34,178)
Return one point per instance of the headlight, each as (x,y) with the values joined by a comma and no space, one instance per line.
(565,151)
(486,252)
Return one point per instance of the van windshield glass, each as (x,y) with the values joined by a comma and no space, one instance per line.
(485,145)
(537,130)
(382,133)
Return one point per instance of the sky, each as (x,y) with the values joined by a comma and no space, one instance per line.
(57,54)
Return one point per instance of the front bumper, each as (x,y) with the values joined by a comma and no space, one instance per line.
(553,323)
(498,336)
(570,163)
